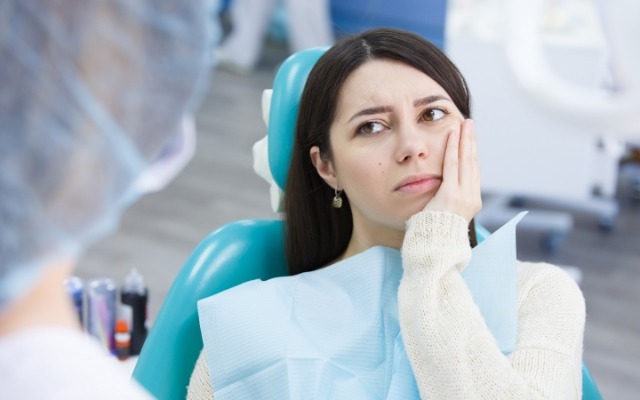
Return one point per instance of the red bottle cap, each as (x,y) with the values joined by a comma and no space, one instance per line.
(121,326)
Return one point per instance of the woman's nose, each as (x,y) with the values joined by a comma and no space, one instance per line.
(410,144)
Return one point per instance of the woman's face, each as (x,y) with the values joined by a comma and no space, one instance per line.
(388,140)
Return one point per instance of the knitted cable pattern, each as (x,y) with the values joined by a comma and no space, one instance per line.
(452,352)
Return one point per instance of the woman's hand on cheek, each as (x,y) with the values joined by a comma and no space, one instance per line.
(459,192)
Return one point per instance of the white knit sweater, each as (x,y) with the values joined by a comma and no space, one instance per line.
(452,352)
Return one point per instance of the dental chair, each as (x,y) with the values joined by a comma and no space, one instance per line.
(236,253)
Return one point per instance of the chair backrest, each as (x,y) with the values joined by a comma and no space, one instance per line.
(236,253)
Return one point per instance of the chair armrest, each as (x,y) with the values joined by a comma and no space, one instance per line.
(236,253)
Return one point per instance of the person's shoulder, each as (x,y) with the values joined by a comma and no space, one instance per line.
(66,363)
(548,283)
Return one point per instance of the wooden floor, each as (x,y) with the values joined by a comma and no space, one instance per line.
(219,186)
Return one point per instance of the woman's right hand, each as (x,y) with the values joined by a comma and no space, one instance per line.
(459,192)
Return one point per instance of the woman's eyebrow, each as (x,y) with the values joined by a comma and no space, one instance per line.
(371,111)
(428,100)
(382,109)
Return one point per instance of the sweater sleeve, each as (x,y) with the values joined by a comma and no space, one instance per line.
(452,352)
(200,383)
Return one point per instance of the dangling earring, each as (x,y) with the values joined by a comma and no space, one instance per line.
(337,199)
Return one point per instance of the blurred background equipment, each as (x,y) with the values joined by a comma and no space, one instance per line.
(549,107)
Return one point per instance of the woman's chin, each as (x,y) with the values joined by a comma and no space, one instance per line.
(418,206)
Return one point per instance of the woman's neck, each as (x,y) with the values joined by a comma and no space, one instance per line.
(46,304)
(365,236)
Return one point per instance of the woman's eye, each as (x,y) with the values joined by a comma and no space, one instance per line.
(370,128)
(433,114)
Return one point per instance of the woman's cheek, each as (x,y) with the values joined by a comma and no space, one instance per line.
(439,144)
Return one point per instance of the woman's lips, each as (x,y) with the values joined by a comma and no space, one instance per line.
(419,184)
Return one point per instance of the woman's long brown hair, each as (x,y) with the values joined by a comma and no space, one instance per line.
(317,233)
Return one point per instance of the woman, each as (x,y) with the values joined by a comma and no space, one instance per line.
(385,155)
(93,94)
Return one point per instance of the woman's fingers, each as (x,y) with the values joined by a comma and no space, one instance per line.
(467,139)
(448,195)
(460,189)
(469,168)
(469,165)
(450,168)
(475,163)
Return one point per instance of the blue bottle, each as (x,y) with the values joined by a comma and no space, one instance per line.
(75,288)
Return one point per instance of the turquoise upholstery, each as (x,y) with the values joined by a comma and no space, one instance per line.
(287,91)
(235,253)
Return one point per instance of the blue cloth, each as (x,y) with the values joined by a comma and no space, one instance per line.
(334,333)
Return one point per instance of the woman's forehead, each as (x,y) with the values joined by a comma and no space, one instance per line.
(379,82)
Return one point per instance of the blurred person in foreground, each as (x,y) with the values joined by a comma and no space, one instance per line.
(94,99)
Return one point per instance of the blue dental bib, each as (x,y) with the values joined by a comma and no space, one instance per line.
(334,333)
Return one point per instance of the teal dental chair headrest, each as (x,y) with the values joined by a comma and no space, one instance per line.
(287,91)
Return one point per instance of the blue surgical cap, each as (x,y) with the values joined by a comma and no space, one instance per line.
(90,93)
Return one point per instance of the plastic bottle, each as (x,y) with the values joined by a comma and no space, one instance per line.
(122,340)
(135,294)
(75,287)
(101,311)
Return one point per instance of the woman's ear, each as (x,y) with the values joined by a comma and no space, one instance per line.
(324,167)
